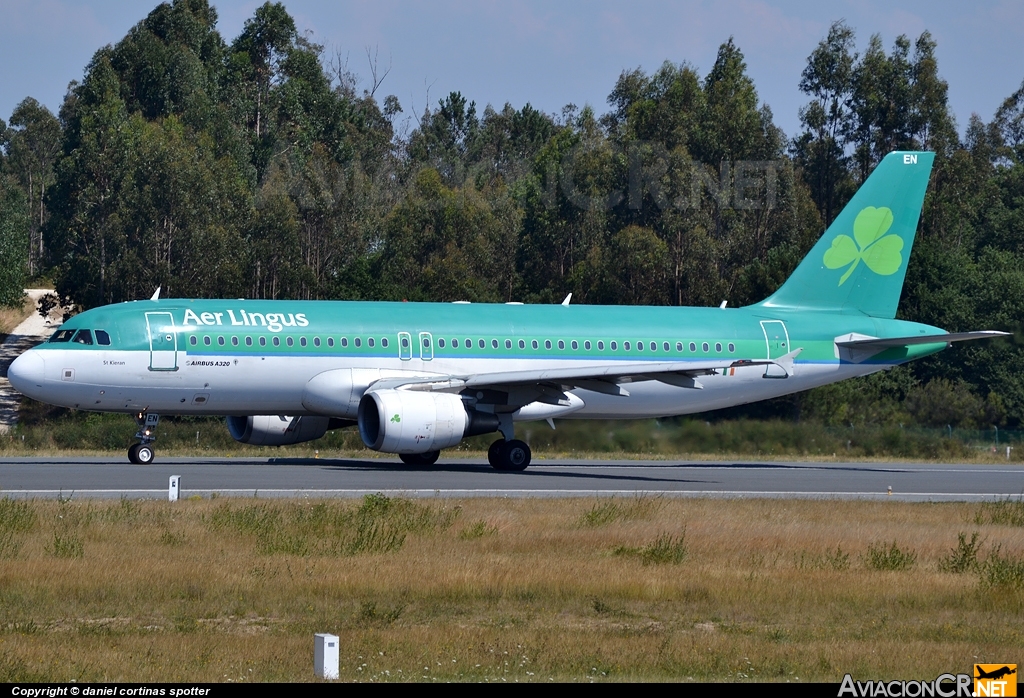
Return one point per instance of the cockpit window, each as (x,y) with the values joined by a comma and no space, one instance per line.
(62,336)
(102,338)
(83,337)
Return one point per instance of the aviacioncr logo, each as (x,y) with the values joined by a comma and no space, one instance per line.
(880,252)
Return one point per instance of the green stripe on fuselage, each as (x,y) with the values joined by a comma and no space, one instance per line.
(814,333)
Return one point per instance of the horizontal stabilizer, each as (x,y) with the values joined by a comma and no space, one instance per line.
(856,348)
(856,342)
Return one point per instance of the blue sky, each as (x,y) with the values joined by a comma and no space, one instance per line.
(548,53)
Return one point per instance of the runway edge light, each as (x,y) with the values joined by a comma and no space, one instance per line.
(325,656)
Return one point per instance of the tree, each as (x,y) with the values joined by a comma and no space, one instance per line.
(33,145)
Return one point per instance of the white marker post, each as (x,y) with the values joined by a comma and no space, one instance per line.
(325,656)
(172,488)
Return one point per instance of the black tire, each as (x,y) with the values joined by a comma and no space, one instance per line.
(145,454)
(515,455)
(410,458)
(429,458)
(133,454)
(494,454)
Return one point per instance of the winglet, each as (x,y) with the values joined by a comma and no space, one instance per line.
(566,301)
(156,294)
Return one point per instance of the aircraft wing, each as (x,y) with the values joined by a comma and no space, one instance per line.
(605,378)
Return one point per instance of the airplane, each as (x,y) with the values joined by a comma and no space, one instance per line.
(416,378)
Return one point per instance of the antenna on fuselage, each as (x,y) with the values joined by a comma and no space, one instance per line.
(156,294)
(566,301)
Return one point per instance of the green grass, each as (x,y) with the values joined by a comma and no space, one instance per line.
(889,558)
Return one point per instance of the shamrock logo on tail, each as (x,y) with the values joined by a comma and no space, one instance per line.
(879,251)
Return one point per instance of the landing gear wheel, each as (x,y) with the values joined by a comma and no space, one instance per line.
(515,455)
(133,454)
(494,454)
(144,454)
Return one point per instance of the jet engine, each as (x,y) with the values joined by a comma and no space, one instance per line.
(405,421)
(275,430)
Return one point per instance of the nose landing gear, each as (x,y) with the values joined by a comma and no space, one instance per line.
(142,453)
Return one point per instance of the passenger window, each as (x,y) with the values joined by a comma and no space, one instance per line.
(693,346)
(426,342)
(654,346)
(469,343)
(234,341)
(482,344)
(384,342)
(679,346)
(600,346)
(302,341)
(405,342)
(369,342)
(494,344)
(615,346)
(62,336)
(248,341)
(277,341)
(522,344)
(192,340)
(639,346)
(358,342)
(344,341)
(316,341)
(534,344)
(586,345)
(547,343)
(455,343)
(625,345)
(290,341)
(220,340)
(508,343)
(263,341)
(83,337)
(575,344)
(732,347)
(207,341)
(330,341)
(666,346)
(561,344)
(102,338)
(440,342)
(718,346)
(704,347)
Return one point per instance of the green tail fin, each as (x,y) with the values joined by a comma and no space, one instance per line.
(858,265)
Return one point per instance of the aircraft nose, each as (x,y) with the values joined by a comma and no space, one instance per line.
(26,373)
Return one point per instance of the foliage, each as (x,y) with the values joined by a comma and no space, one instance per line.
(256,168)
(964,557)
(889,558)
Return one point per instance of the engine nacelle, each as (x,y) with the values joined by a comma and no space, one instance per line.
(274,430)
(405,421)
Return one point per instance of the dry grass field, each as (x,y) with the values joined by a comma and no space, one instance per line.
(508,589)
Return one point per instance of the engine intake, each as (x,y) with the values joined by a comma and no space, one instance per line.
(404,421)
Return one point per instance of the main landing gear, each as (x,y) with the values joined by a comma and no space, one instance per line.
(142,453)
(509,455)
